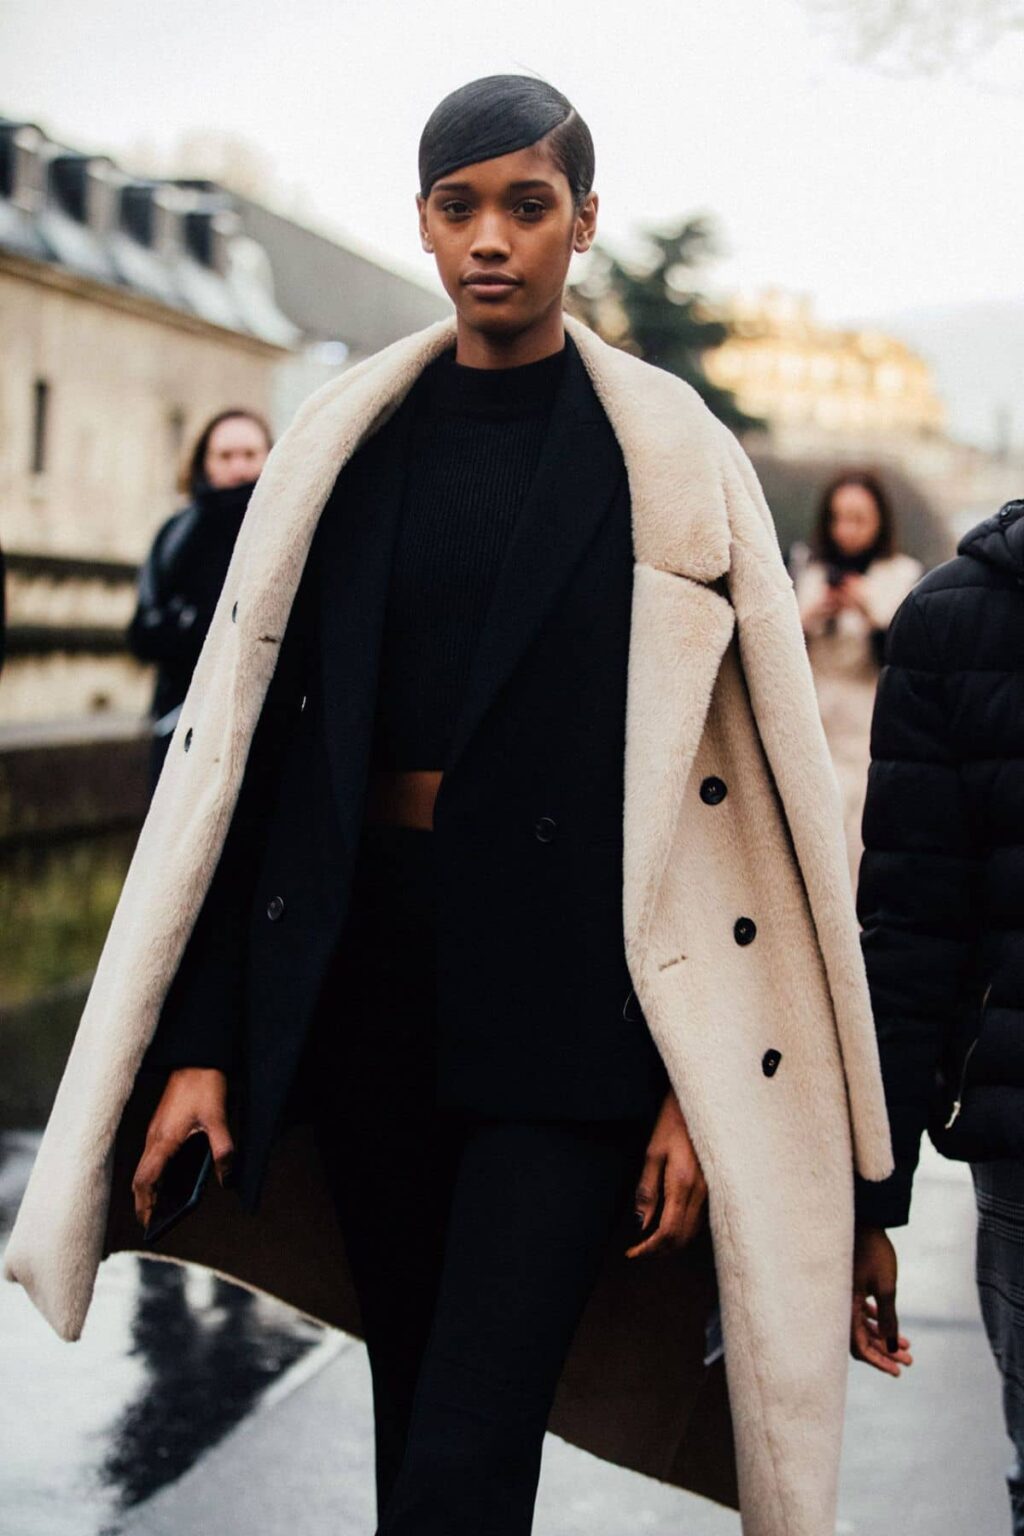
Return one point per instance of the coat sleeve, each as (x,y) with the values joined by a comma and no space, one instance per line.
(202,1019)
(916,894)
(165,625)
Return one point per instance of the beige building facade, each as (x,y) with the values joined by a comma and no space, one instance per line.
(131,311)
(101,391)
(857,397)
(808,380)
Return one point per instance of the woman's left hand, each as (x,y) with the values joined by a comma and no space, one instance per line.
(671,1191)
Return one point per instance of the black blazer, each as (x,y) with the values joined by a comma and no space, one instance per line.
(535,1004)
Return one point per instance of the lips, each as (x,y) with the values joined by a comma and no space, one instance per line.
(490,280)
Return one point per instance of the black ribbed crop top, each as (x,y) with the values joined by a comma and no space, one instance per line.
(474,446)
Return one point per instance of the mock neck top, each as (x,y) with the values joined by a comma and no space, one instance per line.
(454,389)
(474,447)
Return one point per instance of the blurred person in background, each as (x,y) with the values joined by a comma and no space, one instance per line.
(180,582)
(941,900)
(848,587)
(482,967)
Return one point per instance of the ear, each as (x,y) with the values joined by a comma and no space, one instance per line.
(585,228)
(425,240)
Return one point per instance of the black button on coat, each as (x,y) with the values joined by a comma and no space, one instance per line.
(941,893)
(745,930)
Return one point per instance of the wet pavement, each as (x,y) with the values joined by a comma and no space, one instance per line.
(169,1362)
(190,1408)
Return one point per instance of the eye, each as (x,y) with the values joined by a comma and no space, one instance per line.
(530,207)
(455,208)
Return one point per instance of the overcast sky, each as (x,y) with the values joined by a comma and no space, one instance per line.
(871,193)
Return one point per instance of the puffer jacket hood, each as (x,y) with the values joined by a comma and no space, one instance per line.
(999,540)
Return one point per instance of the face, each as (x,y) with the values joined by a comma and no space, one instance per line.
(855,519)
(235,454)
(503,233)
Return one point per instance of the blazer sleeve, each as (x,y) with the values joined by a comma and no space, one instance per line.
(202,1020)
(916,894)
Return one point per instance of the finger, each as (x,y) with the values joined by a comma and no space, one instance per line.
(222,1148)
(648,1191)
(888,1326)
(858,1337)
(696,1206)
(864,1347)
(154,1159)
(668,1233)
(866,1342)
(902,1352)
(877,1355)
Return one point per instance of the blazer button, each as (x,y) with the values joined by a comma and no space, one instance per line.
(275,908)
(713,791)
(545,828)
(769,1062)
(744,930)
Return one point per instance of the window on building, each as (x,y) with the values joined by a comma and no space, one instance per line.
(40,423)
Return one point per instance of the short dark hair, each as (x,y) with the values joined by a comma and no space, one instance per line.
(822,543)
(499,114)
(193,476)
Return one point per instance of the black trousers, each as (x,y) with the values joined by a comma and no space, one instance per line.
(474,1243)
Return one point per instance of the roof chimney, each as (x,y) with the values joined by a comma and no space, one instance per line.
(22,170)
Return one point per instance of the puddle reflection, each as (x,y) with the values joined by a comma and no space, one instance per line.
(171,1360)
(206,1361)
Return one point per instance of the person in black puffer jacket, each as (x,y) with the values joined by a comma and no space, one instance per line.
(941,902)
(180,582)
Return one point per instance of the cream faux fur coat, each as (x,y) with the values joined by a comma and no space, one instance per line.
(718,686)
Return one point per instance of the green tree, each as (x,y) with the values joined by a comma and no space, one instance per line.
(653,308)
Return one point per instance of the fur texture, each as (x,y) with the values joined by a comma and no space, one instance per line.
(719,684)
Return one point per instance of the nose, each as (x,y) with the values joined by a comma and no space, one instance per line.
(490,241)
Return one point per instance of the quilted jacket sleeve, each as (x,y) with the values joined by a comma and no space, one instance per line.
(917,889)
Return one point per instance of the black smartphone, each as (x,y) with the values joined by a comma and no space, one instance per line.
(181,1186)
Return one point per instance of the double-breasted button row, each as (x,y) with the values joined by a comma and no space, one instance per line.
(744,930)
(713,790)
(545,828)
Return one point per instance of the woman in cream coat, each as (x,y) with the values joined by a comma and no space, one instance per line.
(848,592)
(736,917)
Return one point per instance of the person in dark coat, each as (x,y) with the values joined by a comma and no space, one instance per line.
(181,579)
(941,900)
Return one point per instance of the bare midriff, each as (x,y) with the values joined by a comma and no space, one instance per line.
(403,799)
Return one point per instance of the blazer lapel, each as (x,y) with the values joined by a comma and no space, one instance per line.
(579,470)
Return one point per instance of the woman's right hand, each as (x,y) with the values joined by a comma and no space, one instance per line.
(194,1099)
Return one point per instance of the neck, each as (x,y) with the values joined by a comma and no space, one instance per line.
(476,349)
